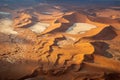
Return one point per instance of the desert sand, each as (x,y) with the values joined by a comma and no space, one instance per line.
(80,28)
(77,44)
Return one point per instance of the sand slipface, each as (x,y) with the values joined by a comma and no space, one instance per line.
(80,28)
(6,26)
(39,27)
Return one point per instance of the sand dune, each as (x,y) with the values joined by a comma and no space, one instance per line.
(107,33)
(69,46)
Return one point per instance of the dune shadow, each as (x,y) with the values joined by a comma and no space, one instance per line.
(101,49)
(107,33)
(62,28)
(112,76)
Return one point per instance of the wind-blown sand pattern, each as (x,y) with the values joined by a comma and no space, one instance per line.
(63,45)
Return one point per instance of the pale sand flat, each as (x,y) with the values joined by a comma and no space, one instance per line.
(80,28)
(39,27)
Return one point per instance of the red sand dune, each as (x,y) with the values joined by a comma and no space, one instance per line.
(57,55)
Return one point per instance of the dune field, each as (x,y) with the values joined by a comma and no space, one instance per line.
(59,42)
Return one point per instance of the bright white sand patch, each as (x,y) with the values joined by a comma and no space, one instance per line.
(5,26)
(39,27)
(80,28)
